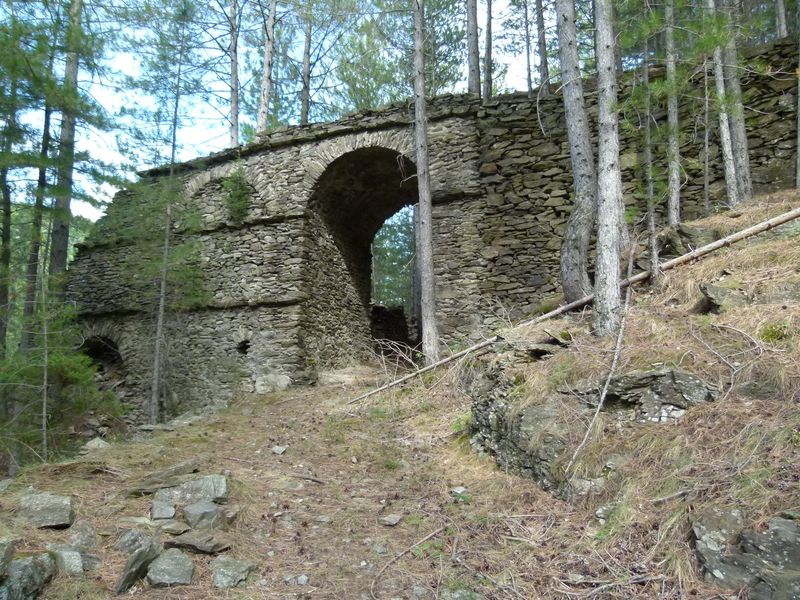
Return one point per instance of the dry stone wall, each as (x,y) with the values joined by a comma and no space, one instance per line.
(285,287)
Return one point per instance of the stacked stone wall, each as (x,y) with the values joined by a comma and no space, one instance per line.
(285,282)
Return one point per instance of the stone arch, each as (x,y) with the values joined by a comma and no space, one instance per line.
(350,201)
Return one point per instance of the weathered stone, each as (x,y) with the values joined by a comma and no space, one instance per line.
(206,541)
(212,488)
(173,527)
(391,520)
(228,572)
(27,576)
(136,566)
(202,515)
(68,560)
(171,476)
(82,536)
(718,298)
(172,567)
(47,510)
(656,395)
(768,562)
(130,540)
(162,510)
(6,554)
(95,444)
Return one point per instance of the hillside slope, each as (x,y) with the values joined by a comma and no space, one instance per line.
(321,482)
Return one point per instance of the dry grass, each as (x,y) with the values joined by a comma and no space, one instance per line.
(402,452)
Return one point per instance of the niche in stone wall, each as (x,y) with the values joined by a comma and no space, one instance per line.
(104,352)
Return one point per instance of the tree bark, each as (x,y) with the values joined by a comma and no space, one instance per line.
(305,96)
(487,55)
(605,315)
(673,147)
(266,76)
(731,185)
(233,51)
(59,246)
(527,25)
(706,139)
(32,269)
(740,146)
(473,52)
(781,28)
(541,38)
(9,133)
(430,336)
(797,105)
(578,232)
(648,162)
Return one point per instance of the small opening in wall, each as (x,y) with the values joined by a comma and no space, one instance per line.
(243,347)
(103,352)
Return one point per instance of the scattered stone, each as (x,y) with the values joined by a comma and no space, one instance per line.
(213,488)
(228,572)
(767,562)
(82,536)
(162,510)
(272,382)
(278,450)
(137,564)
(172,567)
(5,484)
(459,493)
(419,592)
(26,577)
(68,560)
(207,542)
(47,510)
(173,527)
(202,515)
(93,445)
(459,595)
(718,298)
(6,554)
(130,540)
(170,477)
(137,521)
(302,580)
(391,520)
(379,549)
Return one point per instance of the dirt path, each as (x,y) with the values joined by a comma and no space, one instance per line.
(316,510)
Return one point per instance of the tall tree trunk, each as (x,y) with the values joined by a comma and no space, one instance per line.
(430,335)
(706,140)
(648,164)
(605,314)
(541,39)
(233,51)
(781,28)
(59,246)
(266,75)
(9,133)
(32,268)
(797,105)
(578,232)
(733,86)
(527,24)
(487,55)
(731,185)
(673,147)
(617,48)
(473,51)
(305,98)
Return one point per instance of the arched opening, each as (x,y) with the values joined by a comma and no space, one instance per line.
(353,199)
(103,352)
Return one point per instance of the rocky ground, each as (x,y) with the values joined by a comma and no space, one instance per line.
(687,487)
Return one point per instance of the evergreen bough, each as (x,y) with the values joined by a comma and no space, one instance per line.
(237,195)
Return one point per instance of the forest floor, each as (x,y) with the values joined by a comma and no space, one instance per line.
(317,509)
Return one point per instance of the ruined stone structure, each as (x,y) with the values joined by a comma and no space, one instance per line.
(288,287)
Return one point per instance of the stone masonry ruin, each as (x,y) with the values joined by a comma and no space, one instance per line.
(288,287)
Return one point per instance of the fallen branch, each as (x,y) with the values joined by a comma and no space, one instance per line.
(399,556)
(638,278)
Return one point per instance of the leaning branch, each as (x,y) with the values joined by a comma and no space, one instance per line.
(638,278)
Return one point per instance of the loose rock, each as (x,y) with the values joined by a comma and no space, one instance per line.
(172,567)
(227,572)
(391,520)
(202,515)
(47,510)
(82,536)
(26,577)
(137,564)
(6,554)
(131,540)
(68,560)
(212,488)
(162,510)
(207,542)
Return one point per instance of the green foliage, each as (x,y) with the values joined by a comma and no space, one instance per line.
(237,195)
(773,332)
(393,261)
(463,423)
